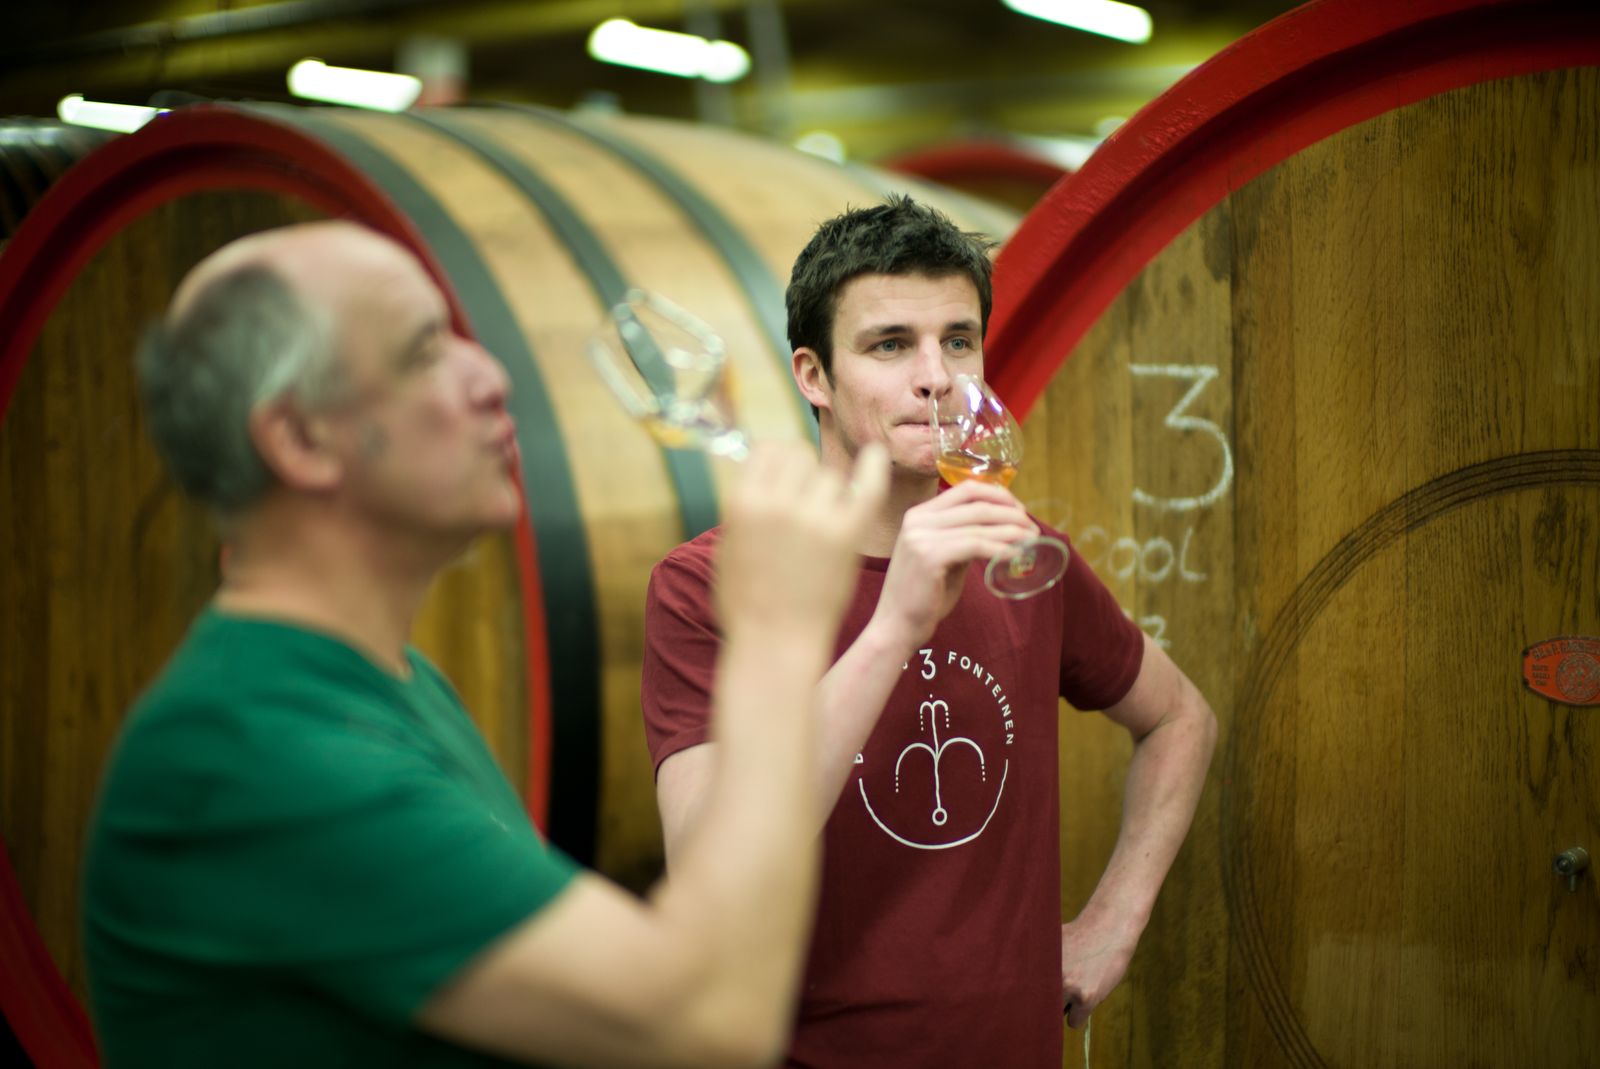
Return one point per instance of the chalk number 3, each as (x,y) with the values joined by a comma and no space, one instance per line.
(1177,419)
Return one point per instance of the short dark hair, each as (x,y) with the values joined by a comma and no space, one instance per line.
(897,237)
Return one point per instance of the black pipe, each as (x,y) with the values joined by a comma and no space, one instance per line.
(208,26)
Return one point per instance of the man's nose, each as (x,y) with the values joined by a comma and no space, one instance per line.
(489,383)
(933,376)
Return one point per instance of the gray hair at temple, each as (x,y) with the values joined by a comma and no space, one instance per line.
(244,341)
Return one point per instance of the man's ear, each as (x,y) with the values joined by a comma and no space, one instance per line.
(295,447)
(811,378)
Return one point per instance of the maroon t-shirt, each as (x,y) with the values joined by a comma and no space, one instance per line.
(937,941)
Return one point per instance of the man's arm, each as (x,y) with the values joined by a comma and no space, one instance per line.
(704,972)
(1174,732)
(927,569)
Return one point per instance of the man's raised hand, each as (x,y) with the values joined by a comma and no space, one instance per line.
(791,535)
(939,538)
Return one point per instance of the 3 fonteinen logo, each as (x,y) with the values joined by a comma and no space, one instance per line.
(940,763)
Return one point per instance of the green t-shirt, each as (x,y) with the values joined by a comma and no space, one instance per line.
(292,850)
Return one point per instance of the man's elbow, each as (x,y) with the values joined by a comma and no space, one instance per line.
(1187,724)
(1194,705)
(715,1009)
(726,1032)
(1204,723)
(742,1045)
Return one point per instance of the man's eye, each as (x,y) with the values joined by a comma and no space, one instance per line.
(889,345)
(428,352)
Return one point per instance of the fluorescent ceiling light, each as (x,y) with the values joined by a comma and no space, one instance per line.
(1068,151)
(824,143)
(1108,18)
(1108,125)
(665,52)
(378,90)
(123,118)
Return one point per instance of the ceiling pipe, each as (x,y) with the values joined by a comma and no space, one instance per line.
(269,18)
(713,101)
(208,26)
(769,52)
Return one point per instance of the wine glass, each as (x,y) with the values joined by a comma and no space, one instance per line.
(669,370)
(976,438)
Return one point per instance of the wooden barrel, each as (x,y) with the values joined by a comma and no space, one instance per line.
(533,222)
(33,154)
(1310,353)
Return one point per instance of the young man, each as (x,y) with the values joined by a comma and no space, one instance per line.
(939,941)
(303,852)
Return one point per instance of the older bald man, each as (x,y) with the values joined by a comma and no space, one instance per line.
(303,853)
